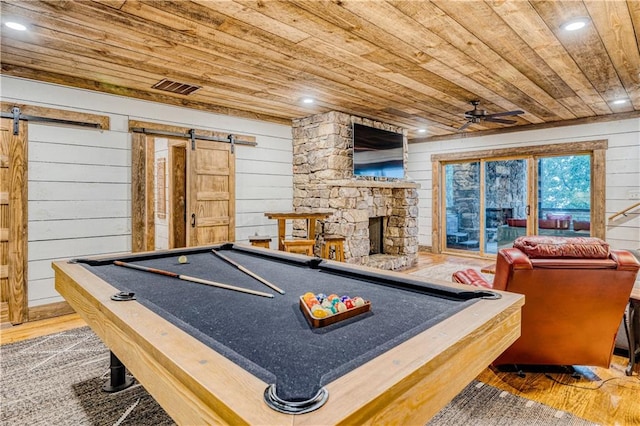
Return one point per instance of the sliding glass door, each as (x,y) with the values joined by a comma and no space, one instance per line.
(505,203)
(462,181)
(564,195)
(491,202)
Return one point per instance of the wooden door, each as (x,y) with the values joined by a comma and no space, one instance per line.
(13,222)
(177,194)
(142,193)
(210,193)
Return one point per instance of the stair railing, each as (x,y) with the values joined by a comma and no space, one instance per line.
(625,211)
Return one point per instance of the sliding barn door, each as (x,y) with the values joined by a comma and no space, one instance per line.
(210,193)
(13,222)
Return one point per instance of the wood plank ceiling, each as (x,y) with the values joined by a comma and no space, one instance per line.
(415,64)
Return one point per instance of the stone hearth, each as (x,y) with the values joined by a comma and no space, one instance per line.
(323,181)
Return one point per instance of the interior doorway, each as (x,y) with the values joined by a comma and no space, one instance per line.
(183,191)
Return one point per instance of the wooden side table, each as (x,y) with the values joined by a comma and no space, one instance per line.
(634,331)
(282,218)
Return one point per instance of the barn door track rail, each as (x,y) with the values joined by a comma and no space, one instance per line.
(192,136)
(16,116)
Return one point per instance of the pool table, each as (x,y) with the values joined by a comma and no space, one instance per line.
(212,355)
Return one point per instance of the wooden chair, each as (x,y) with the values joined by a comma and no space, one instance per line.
(333,243)
(299,246)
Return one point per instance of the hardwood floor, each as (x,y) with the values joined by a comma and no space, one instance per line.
(600,395)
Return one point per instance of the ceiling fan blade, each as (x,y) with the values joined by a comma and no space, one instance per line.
(465,125)
(500,120)
(505,113)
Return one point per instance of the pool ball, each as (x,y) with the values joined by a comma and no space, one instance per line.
(340,307)
(321,297)
(358,301)
(312,302)
(349,303)
(320,313)
(183,259)
(344,298)
(326,303)
(308,295)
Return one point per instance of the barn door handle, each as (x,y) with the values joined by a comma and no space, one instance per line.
(527,210)
(193,220)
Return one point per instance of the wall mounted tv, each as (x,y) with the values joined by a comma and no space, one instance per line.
(377,152)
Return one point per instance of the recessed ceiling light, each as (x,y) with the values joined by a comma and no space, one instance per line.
(307,101)
(422,130)
(575,24)
(619,101)
(16,26)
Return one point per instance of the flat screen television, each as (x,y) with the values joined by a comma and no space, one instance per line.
(377,152)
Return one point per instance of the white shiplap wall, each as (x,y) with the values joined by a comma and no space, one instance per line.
(79,198)
(79,179)
(623,169)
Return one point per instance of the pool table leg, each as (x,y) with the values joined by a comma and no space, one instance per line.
(119,379)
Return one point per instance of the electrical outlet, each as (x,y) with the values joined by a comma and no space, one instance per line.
(634,194)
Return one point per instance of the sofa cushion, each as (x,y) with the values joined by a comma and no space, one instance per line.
(555,221)
(538,246)
(581,225)
(521,223)
(553,224)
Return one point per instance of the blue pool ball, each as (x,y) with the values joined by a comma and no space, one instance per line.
(321,297)
(343,298)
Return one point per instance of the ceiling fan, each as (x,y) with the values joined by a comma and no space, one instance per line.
(477,115)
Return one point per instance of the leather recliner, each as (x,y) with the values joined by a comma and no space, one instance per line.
(576,291)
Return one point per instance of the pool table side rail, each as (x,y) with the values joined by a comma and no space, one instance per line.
(419,376)
(141,256)
(428,371)
(152,349)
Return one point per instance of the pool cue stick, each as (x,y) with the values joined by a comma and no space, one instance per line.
(248,272)
(191,279)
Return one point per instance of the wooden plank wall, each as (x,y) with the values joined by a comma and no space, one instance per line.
(622,167)
(79,179)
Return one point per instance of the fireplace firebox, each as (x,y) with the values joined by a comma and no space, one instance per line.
(376,235)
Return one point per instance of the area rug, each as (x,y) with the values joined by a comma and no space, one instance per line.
(57,380)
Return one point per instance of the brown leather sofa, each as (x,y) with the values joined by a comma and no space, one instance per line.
(576,291)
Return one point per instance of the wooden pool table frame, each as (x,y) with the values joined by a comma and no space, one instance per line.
(196,385)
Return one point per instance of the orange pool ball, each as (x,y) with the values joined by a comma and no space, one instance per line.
(311,302)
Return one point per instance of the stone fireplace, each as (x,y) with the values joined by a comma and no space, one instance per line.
(323,181)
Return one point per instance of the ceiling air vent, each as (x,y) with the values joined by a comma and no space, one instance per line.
(175,87)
